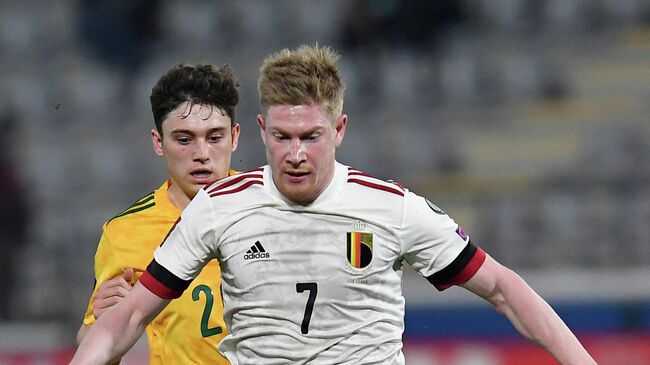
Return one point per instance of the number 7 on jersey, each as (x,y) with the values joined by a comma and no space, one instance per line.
(313,290)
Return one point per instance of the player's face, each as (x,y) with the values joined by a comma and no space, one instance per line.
(301,141)
(197,145)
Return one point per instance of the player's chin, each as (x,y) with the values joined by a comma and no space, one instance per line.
(299,193)
(192,188)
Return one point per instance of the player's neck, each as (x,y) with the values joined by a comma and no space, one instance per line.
(177,196)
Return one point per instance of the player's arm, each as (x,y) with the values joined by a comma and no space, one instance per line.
(187,250)
(106,296)
(81,334)
(112,282)
(118,329)
(527,311)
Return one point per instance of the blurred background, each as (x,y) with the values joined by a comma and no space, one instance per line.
(525,120)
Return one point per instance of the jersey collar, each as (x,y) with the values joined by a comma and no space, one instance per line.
(328,196)
(162,198)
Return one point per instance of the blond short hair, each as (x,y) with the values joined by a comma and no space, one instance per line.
(307,75)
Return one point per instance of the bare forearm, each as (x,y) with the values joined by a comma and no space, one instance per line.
(83,330)
(81,334)
(118,329)
(527,311)
(108,339)
(537,321)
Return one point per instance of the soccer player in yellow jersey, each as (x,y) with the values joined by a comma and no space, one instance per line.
(196,134)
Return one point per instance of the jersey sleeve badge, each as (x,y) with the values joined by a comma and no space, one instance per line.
(462,234)
(436,209)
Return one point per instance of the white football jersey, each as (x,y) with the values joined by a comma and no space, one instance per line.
(316,284)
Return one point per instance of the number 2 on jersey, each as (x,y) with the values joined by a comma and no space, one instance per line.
(313,290)
(209,301)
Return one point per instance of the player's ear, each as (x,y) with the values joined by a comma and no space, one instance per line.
(340,124)
(235,136)
(262,124)
(156,140)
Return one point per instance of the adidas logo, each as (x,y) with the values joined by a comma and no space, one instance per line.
(256,252)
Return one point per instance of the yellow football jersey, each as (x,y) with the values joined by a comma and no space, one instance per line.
(189,329)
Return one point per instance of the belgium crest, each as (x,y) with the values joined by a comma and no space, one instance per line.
(359,249)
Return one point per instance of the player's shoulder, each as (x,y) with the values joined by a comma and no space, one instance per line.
(145,205)
(236,184)
(373,186)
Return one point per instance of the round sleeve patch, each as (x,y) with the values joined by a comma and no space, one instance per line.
(435,208)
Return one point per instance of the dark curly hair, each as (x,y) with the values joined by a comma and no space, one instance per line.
(198,84)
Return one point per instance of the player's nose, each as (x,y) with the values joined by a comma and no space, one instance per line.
(296,151)
(201,151)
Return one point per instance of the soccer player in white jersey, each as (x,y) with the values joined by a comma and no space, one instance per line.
(311,250)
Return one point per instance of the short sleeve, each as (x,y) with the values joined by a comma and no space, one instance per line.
(190,244)
(435,245)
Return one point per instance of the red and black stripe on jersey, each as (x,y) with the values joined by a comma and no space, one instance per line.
(162,282)
(464,266)
(245,180)
(361,178)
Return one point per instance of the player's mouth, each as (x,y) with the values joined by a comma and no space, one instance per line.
(296,176)
(201,176)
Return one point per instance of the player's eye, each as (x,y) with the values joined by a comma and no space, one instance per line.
(214,138)
(183,140)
